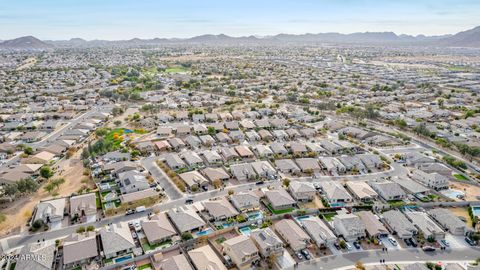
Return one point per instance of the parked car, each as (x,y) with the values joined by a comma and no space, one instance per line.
(393,241)
(349,247)
(428,248)
(357,245)
(470,241)
(414,242)
(134,235)
(299,255)
(444,242)
(129,212)
(408,242)
(188,201)
(337,245)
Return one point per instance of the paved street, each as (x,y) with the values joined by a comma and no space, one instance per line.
(170,189)
(403,255)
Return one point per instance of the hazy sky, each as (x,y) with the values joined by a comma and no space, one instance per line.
(122,19)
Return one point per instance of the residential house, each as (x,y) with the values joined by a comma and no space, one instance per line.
(51,212)
(132,181)
(205,258)
(243,171)
(293,235)
(241,250)
(194,180)
(308,165)
(267,242)
(158,229)
(432,180)
(302,191)
(361,191)
(84,206)
(335,193)
(287,166)
(116,240)
(41,254)
(186,220)
(349,226)
(388,190)
(219,209)
(449,221)
(399,224)
(246,201)
(372,224)
(79,249)
(279,199)
(319,232)
(425,224)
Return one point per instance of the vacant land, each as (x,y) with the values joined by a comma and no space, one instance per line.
(18,212)
(471,191)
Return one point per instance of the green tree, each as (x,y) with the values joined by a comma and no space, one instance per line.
(81,229)
(186,236)
(28,150)
(46,172)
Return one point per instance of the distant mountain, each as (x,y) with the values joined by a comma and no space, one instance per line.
(27,42)
(469,38)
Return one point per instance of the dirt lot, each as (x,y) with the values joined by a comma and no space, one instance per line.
(18,212)
(316,203)
(471,191)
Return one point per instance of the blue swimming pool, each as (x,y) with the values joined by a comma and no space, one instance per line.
(124,258)
(245,230)
(337,204)
(300,218)
(255,215)
(476,211)
(204,232)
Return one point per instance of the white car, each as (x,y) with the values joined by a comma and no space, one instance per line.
(393,241)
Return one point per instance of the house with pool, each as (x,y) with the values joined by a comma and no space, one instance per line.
(116,240)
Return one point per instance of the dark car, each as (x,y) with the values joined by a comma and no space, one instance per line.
(357,245)
(428,248)
(259,183)
(408,242)
(414,242)
(337,245)
(470,241)
(188,201)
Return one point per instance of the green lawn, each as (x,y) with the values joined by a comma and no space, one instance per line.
(176,70)
(460,177)
(97,200)
(111,134)
(147,247)
(145,266)
(396,203)
(329,216)
(279,212)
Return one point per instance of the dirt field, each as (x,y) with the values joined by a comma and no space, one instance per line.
(471,191)
(316,203)
(18,212)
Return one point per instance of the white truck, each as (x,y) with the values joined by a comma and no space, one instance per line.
(140,209)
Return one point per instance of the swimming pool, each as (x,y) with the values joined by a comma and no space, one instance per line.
(476,211)
(204,232)
(337,204)
(124,258)
(245,230)
(452,193)
(255,215)
(300,218)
